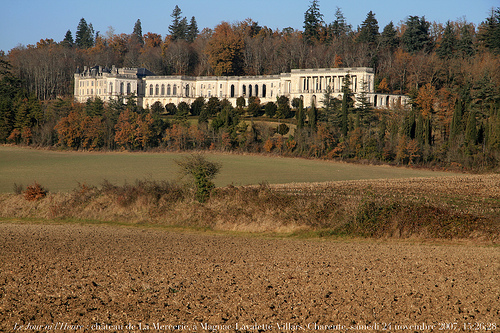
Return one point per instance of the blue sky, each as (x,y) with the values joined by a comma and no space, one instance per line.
(27,21)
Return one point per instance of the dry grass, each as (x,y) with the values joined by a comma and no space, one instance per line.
(466,207)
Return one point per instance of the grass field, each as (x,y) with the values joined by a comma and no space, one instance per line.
(62,171)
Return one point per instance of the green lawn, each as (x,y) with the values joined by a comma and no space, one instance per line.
(61,171)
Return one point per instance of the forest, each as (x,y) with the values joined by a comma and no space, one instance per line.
(450,71)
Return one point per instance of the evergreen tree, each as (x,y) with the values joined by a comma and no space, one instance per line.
(84,35)
(490,31)
(68,39)
(456,121)
(416,36)
(471,129)
(178,27)
(466,44)
(300,115)
(368,32)
(446,49)
(137,34)
(312,22)
(389,37)
(339,28)
(347,103)
(313,117)
(364,111)
(192,30)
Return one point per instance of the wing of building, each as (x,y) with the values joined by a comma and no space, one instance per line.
(306,84)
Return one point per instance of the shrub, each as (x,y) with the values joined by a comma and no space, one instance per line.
(35,192)
(203,171)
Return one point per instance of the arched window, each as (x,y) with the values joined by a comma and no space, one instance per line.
(151,90)
(187,90)
(257,90)
(244,88)
(174,90)
(168,90)
(157,90)
(163,90)
(110,88)
(264,90)
(232,90)
(129,89)
(249,90)
(121,88)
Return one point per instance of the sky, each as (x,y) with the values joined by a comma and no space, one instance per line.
(24,22)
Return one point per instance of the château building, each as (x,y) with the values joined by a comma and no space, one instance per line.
(306,84)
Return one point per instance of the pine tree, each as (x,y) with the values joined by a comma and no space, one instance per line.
(312,22)
(178,27)
(137,34)
(339,28)
(68,39)
(84,35)
(416,36)
(490,31)
(192,30)
(389,38)
(446,49)
(368,32)
(465,44)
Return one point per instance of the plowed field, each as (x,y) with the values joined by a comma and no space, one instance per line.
(69,277)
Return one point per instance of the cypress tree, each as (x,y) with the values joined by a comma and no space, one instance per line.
(456,121)
(138,32)
(300,115)
(313,117)
(471,129)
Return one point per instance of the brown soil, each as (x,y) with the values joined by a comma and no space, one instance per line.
(64,275)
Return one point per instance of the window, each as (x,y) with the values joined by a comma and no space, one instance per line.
(163,90)
(174,90)
(157,90)
(121,88)
(129,90)
(168,90)
(111,88)
(151,90)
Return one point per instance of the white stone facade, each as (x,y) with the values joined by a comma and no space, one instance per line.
(306,84)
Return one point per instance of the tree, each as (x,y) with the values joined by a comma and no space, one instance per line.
(416,36)
(489,31)
(202,172)
(192,30)
(283,110)
(312,22)
(137,34)
(313,117)
(225,50)
(68,40)
(300,115)
(197,106)
(368,32)
(347,103)
(447,47)
(270,109)
(389,38)
(178,27)
(466,45)
(339,28)
(84,35)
